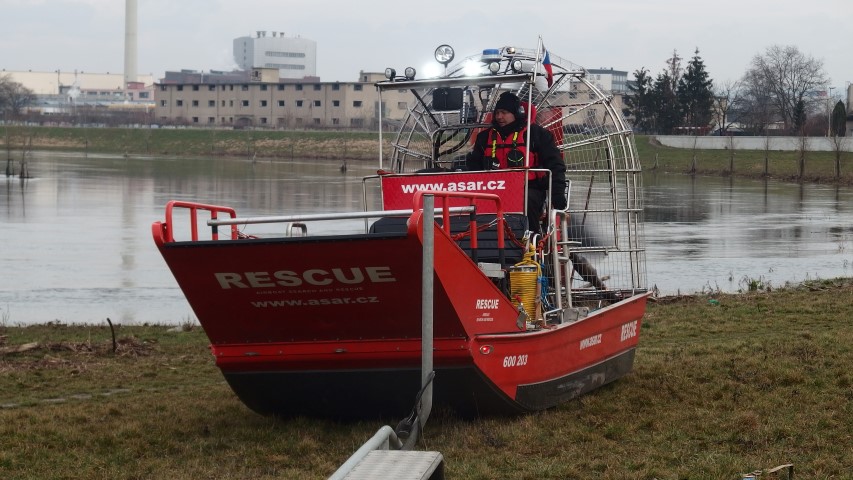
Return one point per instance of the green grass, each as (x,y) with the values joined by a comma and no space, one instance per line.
(194,142)
(819,166)
(720,388)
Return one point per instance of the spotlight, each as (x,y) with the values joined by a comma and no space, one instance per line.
(444,54)
(390,73)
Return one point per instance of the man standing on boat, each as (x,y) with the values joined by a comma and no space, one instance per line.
(504,146)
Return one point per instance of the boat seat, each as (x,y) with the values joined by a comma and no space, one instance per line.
(487,239)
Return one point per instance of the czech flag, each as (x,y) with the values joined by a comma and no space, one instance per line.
(549,72)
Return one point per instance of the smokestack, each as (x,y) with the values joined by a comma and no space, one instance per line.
(850,99)
(130,42)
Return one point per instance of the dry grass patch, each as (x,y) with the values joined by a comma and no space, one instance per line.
(719,389)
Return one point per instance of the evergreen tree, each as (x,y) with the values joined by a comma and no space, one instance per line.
(673,65)
(839,120)
(665,104)
(695,94)
(673,98)
(638,105)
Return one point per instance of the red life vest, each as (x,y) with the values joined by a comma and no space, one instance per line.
(509,152)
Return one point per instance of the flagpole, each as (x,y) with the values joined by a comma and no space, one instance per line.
(530,99)
(530,102)
(539,55)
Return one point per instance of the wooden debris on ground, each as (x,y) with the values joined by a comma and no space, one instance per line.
(128,346)
(7,350)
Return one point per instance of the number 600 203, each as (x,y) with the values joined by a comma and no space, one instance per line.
(515,361)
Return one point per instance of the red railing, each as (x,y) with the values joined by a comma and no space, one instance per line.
(194,209)
(472,197)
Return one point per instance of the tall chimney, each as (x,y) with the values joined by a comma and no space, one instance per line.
(850,99)
(130,42)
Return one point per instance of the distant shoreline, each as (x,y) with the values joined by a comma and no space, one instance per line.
(818,167)
(193,142)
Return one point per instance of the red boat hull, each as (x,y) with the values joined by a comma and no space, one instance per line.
(349,394)
(331,326)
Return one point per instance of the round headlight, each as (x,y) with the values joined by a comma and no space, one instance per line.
(410,73)
(494,67)
(390,73)
(444,54)
(516,66)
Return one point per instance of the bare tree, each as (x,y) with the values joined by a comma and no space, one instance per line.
(839,144)
(14,97)
(802,148)
(731,147)
(27,151)
(727,97)
(766,155)
(8,142)
(754,109)
(789,76)
(695,148)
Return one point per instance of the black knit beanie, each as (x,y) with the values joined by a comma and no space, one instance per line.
(508,101)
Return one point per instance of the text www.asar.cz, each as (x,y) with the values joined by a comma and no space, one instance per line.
(469,186)
(314,302)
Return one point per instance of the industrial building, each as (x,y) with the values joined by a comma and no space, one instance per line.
(60,92)
(294,57)
(609,80)
(263,99)
(276,86)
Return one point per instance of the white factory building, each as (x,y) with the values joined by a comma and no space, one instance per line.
(294,57)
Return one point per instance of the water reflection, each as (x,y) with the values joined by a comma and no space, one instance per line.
(720,233)
(77,244)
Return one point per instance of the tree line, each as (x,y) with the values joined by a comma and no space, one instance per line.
(14,97)
(782,90)
(776,93)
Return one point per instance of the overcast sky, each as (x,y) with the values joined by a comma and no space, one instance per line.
(88,35)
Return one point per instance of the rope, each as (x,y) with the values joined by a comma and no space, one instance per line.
(523,284)
(543,281)
(510,234)
(467,233)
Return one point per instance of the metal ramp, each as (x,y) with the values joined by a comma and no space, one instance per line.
(387,454)
(398,465)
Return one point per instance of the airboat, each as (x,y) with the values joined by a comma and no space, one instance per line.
(334,325)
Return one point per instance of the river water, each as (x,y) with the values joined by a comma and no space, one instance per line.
(77,247)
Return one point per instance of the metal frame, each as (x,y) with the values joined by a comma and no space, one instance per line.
(621,173)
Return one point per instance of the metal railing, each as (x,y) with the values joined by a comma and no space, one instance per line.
(194,208)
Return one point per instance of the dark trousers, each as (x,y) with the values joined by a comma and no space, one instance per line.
(535,208)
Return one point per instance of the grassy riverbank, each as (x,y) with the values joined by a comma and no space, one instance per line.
(780,165)
(820,166)
(195,142)
(719,388)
